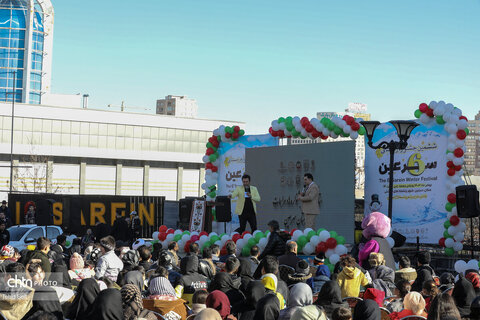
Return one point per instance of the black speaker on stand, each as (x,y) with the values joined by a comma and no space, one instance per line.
(468,206)
(223,210)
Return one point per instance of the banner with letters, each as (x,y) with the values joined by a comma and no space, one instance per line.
(232,168)
(418,185)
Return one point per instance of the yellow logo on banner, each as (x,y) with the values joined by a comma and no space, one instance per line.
(417,164)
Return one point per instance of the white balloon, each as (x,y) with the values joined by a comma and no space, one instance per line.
(462,124)
(457,112)
(334,258)
(329,253)
(432,104)
(440,103)
(155,235)
(341,250)
(308,249)
(205,159)
(450,156)
(452,230)
(218,243)
(315,240)
(457,246)
(177,232)
(170,237)
(296,234)
(347,129)
(333,135)
(354,135)
(457,161)
(424,118)
(472,265)
(449,243)
(306,231)
(247,236)
(462,227)
(263,242)
(240,243)
(391,242)
(460,266)
(185,237)
(181,246)
(459,236)
(324,235)
(454,210)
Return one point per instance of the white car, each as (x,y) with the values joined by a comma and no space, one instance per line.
(26,234)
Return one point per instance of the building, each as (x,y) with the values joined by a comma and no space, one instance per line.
(26,39)
(472,144)
(178,106)
(87,151)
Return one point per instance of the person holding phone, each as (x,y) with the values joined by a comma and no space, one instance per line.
(247,198)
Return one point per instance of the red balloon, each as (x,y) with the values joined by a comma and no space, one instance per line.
(429,112)
(208,165)
(350,120)
(450,164)
(194,238)
(236,128)
(214,169)
(235,135)
(209,151)
(304,120)
(170,230)
(331,243)
(244,233)
(452,198)
(441,242)
(458,152)
(223,251)
(355,126)
(423,107)
(292,231)
(162,236)
(451,172)
(461,134)
(457,168)
(236,237)
(187,246)
(345,117)
(203,233)
(463,117)
(162,229)
(270,130)
(228,135)
(454,220)
(322,247)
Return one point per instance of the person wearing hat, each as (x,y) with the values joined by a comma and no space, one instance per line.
(322,275)
(108,265)
(4,233)
(5,213)
(302,274)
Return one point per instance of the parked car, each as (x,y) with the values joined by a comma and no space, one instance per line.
(25,234)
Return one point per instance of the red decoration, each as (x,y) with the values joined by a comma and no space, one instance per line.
(195,238)
(441,242)
(293,230)
(463,117)
(203,233)
(461,134)
(429,112)
(451,172)
(355,126)
(209,151)
(228,135)
(452,198)
(350,120)
(458,152)
(162,236)
(214,169)
(235,135)
(162,229)
(454,220)
(236,128)
(423,107)
(244,233)
(450,164)
(458,168)
(223,251)
(187,246)
(235,237)
(331,243)
(170,231)
(304,120)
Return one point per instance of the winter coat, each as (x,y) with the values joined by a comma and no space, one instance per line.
(300,296)
(109,265)
(46,265)
(191,280)
(330,298)
(409,274)
(168,309)
(275,246)
(424,273)
(350,280)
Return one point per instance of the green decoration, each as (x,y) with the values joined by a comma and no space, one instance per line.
(331,267)
(319,230)
(219,138)
(177,237)
(311,234)
(212,157)
(241,132)
(186,232)
(281,120)
(361,131)
(440,120)
(446,235)
(252,241)
(259,236)
(246,251)
(417,113)
(449,252)
(333,234)
(209,145)
(302,241)
(467,131)
(212,194)
(340,240)
(68,243)
(447,224)
(449,206)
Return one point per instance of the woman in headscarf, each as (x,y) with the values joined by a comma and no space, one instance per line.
(367,310)
(107,306)
(309,313)
(134,277)
(245,273)
(270,282)
(330,298)
(133,305)
(300,295)
(219,301)
(163,299)
(246,310)
(81,306)
(413,305)
(443,307)
(463,294)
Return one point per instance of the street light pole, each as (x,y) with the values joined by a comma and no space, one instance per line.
(11,134)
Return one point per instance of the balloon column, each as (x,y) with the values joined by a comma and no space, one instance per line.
(302,128)
(309,241)
(211,157)
(456,126)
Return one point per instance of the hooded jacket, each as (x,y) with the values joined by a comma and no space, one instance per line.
(321,277)
(270,282)
(168,309)
(108,265)
(191,280)
(463,294)
(300,296)
(424,273)
(367,310)
(268,307)
(350,280)
(330,298)
(246,309)
(384,280)
(375,295)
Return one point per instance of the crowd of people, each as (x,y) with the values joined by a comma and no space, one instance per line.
(106,279)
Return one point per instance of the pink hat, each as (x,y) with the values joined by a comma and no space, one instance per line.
(376,224)
(76,262)
(369,247)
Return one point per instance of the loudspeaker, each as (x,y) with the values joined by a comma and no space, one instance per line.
(224,211)
(467,201)
(44,212)
(398,238)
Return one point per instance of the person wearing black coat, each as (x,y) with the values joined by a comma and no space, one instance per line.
(463,294)
(120,230)
(330,298)
(245,273)
(268,308)
(245,310)
(424,271)
(276,245)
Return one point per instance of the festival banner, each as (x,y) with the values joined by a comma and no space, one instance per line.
(419,187)
(232,167)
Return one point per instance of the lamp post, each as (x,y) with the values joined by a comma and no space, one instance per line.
(404,129)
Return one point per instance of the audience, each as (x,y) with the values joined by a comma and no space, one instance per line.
(367,310)
(405,271)
(463,294)
(447,282)
(276,244)
(424,271)
(82,304)
(330,298)
(474,278)
(474,309)
(246,309)
(322,275)
(109,264)
(254,253)
(403,287)
(290,257)
(413,305)
(429,291)
(300,296)
(342,313)
(191,280)
(443,308)
(199,301)
(219,301)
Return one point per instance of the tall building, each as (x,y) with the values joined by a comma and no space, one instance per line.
(26,39)
(178,106)
(472,144)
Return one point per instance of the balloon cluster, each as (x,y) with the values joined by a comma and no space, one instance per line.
(302,128)
(211,157)
(309,241)
(456,125)
(462,266)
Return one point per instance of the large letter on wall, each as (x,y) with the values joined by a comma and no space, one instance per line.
(97,212)
(142,212)
(58,213)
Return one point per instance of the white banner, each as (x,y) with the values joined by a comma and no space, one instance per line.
(419,190)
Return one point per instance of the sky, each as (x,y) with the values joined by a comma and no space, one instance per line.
(257,60)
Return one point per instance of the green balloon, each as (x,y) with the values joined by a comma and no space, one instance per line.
(311,234)
(295,133)
(281,119)
(345,134)
(241,132)
(290,127)
(212,194)
(331,267)
(331,126)
(447,224)
(319,230)
(209,145)
(302,241)
(449,252)
(219,138)
(333,234)
(177,237)
(440,120)
(340,240)
(417,113)
(68,243)
(229,129)
(223,234)
(361,131)
(288,120)
(246,251)
(252,241)
(214,239)
(337,130)
(186,232)
(267,233)
(212,157)
(449,206)
(467,131)
(259,236)
(446,235)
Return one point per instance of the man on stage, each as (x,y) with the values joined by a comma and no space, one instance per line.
(246,208)
(309,199)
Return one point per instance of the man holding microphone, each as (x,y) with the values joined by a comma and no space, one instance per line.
(247,198)
(309,199)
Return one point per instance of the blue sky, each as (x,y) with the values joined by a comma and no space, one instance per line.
(255,61)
